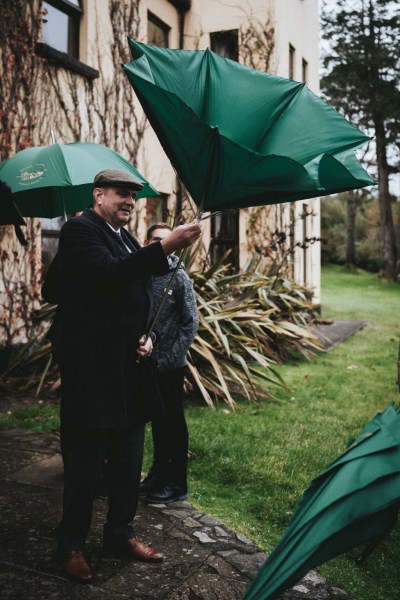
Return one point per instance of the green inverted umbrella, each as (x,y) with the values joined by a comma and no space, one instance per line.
(238,137)
(355,501)
(50,181)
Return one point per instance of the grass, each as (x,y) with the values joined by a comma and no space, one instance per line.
(29,413)
(252,465)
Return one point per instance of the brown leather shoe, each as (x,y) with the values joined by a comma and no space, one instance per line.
(133,548)
(74,564)
(140,551)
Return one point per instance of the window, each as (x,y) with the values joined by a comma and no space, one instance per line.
(305,243)
(304,68)
(61,26)
(225,236)
(225,226)
(50,234)
(157,31)
(292,54)
(157,209)
(225,43)
(292,237)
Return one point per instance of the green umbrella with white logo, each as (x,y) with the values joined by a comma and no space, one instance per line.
(51,181)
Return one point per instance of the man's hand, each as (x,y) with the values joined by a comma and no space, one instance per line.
(181,237)
(145,347)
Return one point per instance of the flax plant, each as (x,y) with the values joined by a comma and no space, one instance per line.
(249,323)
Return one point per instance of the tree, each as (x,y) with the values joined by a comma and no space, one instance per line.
(351,229)
(362,81)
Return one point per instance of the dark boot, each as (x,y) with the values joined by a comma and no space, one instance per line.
(155,479)
(170,492)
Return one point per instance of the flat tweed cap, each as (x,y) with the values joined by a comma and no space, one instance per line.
(117,177)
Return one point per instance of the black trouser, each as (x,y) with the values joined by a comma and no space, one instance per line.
(170,432)
(84,454)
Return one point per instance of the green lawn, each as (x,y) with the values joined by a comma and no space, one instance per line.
(252,465)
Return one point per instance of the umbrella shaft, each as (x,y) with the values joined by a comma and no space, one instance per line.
(171,281)
(165,296)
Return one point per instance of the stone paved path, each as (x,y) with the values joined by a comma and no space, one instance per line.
(204,559)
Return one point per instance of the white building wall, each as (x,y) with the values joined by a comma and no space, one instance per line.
(295,23)
(208,16)
(83,112)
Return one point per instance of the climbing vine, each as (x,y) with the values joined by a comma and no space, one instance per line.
(39,97)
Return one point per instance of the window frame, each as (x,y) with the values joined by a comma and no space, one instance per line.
(232,44)
(225,236)
(165,28)
(292,62)
(48,234)
(157,209)
(225,229)
(75,12)
(304,70)
(63,59)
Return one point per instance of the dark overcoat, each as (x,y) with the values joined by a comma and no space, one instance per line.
(104,297)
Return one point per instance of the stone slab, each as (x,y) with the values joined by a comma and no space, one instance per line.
(193,568)
(12,460)
(210,587)
(47,472)
(23,506)
(26,439)
(332,334)
(26,584)
(247,564)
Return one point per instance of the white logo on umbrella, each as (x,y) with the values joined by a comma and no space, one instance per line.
(31,174)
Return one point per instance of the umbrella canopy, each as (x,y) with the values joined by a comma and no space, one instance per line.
(238,137)
(354,501)
(50,181)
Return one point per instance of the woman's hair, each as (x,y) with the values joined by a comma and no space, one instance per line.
(157,226)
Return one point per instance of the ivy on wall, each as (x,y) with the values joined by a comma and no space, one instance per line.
(38,97)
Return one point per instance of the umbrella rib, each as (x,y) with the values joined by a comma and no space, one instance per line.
(284,108)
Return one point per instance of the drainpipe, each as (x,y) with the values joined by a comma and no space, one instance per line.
(182,12)
(182,6)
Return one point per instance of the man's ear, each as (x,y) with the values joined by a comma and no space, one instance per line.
(97,195)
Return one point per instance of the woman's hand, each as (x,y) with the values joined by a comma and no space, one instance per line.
(145,347)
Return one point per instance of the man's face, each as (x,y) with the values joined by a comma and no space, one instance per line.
(114,204)
(157,235)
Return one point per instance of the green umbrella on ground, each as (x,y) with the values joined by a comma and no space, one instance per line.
(238,137)
(355,501)
(51,181)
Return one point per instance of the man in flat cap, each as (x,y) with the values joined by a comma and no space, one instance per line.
(101,280)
